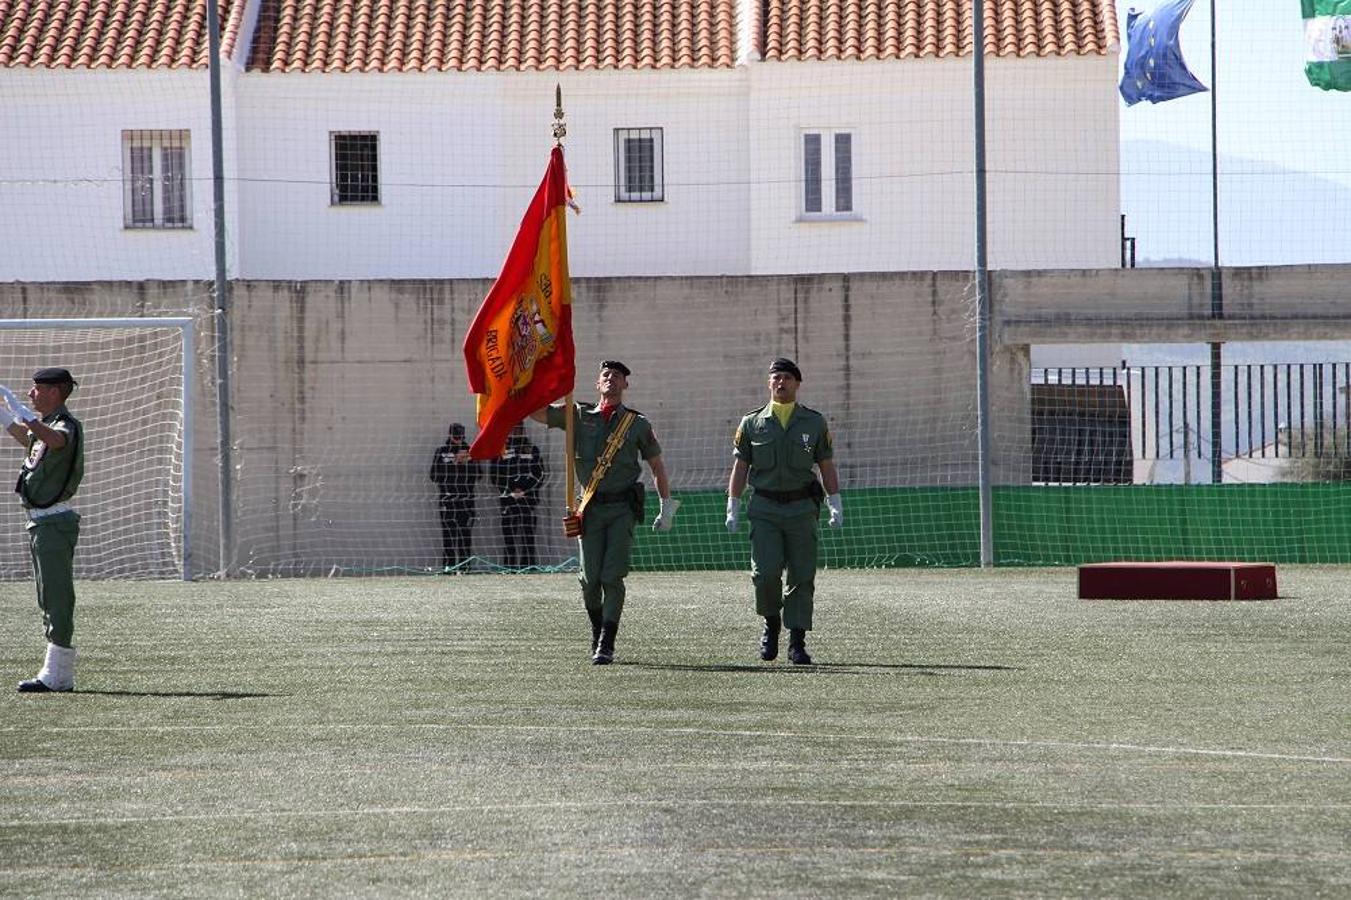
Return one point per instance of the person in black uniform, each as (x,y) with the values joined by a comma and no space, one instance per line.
(518,475)
(455,473)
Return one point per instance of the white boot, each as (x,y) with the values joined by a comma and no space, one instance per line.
(62,662)
(58,672)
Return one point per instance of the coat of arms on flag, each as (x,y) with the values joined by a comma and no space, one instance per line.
(518,351)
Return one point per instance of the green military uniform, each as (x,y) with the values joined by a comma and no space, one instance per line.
(609,517)
(48,479)
(784,508)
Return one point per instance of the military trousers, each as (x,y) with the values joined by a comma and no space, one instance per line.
(784,538)
(518,532)
(457,529)
(606,543)
(51,543)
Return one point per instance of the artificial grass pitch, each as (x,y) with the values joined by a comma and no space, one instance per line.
(966,732)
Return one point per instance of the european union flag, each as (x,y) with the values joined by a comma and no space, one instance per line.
(1155,70)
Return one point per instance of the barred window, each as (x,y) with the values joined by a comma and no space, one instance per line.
(156,181)
(827,174)
(638,165)
(355,164)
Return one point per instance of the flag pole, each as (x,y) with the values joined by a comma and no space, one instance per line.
(560,130)
(984,452)
(1216,277)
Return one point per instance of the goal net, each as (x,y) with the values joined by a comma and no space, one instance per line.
(134,380)
(757,178)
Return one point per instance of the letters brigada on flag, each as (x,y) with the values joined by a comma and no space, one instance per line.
(518,352)
(1327,43)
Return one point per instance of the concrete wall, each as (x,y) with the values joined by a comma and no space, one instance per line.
(342,390)
(1264,303)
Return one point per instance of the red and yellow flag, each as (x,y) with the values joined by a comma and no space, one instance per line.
(519,352)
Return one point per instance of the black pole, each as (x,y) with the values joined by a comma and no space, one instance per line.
(984,448)
(225,463)
(1216,279)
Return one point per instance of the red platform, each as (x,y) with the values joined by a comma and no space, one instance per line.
(1177,581)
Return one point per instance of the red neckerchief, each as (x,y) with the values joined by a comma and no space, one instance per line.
(606,412)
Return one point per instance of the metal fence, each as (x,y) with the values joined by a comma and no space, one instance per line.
(1087,420)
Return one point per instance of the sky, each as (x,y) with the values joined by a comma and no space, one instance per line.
(1284,147)
(1285,171)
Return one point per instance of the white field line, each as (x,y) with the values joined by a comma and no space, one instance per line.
(711,732)
(556,805)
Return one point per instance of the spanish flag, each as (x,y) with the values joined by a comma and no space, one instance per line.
(519,352)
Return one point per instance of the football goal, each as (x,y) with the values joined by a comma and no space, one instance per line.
(134,400)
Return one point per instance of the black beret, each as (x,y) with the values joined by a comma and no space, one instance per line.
(457,431)
(617,366)
(53,376)
(784,364)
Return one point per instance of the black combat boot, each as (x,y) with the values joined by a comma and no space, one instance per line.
(594,616)
(769,638)
(605,647)
(797,647)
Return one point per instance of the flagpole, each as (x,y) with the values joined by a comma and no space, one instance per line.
(560,130)
(984,482)
(1216,276)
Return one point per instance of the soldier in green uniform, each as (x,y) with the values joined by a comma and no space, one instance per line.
(50,476)
(611,437)
(775,449)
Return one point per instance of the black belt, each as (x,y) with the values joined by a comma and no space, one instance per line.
(612,496)
(784,496)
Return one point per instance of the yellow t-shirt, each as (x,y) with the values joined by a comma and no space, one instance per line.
(782,411)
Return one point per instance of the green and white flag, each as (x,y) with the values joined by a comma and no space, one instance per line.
(1327,43)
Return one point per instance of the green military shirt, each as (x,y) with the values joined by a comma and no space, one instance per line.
(781,459)
(591,432)
(51,476)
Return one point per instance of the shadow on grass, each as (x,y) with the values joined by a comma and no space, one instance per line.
(844,668)
(205,695)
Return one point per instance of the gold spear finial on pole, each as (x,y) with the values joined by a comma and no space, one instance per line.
(560,127)
(572,523)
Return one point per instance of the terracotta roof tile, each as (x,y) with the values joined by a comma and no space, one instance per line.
(112,34)
(450,35)
(489,35)
(901,29)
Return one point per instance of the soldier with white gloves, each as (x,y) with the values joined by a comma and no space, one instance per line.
(612,442)
(51,474)
(775,449)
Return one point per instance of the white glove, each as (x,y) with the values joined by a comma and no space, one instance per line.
(666,515)
(836,510)
(733,513)
(14,406)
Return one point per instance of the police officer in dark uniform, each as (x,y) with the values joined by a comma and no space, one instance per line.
(454,474)
(775,449)
(51,474)
(518,474)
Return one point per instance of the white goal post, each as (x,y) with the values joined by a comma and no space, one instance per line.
(135,401)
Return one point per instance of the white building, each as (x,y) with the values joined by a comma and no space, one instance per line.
(387,139)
